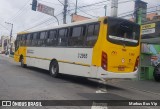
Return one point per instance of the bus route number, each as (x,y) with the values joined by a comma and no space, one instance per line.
(82,55)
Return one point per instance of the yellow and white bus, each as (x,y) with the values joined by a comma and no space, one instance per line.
(106,47)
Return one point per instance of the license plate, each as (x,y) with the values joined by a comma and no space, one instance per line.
(120,68)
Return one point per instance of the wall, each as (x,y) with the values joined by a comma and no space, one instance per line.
(154,50)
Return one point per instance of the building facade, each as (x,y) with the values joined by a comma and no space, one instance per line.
(5,43)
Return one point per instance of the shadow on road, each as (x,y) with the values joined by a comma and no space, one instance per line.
(74,79)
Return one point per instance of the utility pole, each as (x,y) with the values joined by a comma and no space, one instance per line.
(65,11)
(76,7)
(105,8)
(10,45)
(114,8)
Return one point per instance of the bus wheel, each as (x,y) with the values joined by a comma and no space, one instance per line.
(156,78)
(22,63)
(54,69)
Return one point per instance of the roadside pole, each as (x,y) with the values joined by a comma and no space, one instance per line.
(10,44)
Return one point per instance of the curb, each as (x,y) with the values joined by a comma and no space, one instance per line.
(10,56)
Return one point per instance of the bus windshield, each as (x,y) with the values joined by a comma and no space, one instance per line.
(123,32)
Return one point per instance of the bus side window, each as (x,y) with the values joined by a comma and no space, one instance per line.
(92,34)
(62,37)
(76,36)
(23,40)
(52,38)
(96,30)
(17,43)
(35,38)
(18,37)
(29,39)
(18,40)
(42,38)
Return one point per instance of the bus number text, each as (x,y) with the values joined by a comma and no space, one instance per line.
(82,55)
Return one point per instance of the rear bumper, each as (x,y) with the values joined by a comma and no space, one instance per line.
(105,74)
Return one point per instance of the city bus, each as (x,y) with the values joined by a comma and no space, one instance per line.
(105,47)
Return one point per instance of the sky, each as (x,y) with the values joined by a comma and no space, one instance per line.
(19,13)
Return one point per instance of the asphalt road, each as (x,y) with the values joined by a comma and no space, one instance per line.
(18,83)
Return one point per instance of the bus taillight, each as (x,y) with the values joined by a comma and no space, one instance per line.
(104,61)
(136,64)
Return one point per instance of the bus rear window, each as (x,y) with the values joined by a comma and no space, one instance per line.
(123,32)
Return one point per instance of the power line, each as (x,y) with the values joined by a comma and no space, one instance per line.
(141,14)
(22,12)
(37,21)
(132,12)
(60,2)
(87,5)
(81,11)
(94,4)
(91,9)
(50,2)
(126,1)
(87,13)
(39,24)
(55,22)
(42,22)
(19,11)
(4,27)
(34,22)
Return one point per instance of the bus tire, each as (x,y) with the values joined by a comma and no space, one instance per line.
(22,63)
(54,69)
(156,78)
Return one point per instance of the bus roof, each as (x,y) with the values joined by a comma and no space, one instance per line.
(22,33)
(71,24)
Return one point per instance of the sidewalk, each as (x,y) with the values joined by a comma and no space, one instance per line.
(6,55)
(142,85)
(150,86)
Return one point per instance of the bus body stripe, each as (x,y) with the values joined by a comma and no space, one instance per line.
(76,63)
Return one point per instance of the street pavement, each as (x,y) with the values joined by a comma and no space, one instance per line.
(31,83)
